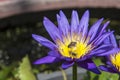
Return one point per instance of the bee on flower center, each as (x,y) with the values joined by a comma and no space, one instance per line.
(73,54)
(72,48)
(72,44)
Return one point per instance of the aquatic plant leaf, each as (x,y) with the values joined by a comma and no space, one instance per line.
(5,71)
(108,76)
(25,70)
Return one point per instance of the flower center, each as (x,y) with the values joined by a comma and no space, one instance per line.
(73,47)
(115,60)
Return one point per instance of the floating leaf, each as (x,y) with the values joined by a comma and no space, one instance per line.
(25,70)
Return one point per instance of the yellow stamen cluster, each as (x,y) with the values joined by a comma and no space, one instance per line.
(115,60)
(74,46)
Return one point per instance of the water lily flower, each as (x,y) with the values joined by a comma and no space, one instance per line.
(75,42)
(113,63)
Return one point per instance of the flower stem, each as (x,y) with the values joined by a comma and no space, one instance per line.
(74,71)
(119,77)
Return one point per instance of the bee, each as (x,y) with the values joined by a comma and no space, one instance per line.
(72,44)
(72,53)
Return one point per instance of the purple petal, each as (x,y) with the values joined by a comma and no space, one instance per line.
(94,29)
(89,65)
(101,49)
(51,29)
(108,62)
(74,21)
(54,54)
(44,41)
(113,40)
(107,69)
(107,40)
(104,27)
(63,23)
(67,64)
(100,39)
(110,51)
(46,60)
(83,27)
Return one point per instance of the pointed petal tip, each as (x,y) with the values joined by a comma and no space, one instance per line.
(58,16)
(46,60)
(86,15)
(61,12)
(101,19)
(45,18)
(87,12)
(36,63)
(108,22)
(34,36)
(74,11)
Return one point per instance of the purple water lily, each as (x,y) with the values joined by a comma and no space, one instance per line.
(74,43)
(113,63)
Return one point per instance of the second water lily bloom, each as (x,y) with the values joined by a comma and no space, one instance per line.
(74,42)
(113,60)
